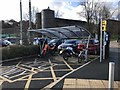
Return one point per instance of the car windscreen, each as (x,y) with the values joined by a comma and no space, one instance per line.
(90,41)
(53,41)
(70,41)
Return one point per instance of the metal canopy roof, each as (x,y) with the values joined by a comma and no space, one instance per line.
(63,32)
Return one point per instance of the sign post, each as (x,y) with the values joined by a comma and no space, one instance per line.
(101,40)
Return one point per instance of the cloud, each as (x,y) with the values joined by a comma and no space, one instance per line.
(68,9)
(10,9)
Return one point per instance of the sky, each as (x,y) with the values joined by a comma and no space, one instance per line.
(10,9)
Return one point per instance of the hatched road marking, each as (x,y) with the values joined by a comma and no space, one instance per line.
(52,71)
(29,80)
(68,65)
(25,71)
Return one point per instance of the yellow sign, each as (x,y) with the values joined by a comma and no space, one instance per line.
(104,22)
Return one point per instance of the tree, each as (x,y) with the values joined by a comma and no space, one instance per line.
(10,24)
(92,11)
(34,10)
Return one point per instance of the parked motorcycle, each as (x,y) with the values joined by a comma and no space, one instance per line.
(67,53)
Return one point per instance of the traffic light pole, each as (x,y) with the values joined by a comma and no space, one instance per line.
(104,43)
(104,37)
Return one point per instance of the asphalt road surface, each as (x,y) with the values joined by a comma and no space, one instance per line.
(35,72)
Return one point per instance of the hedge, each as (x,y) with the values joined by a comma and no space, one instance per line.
(16,51)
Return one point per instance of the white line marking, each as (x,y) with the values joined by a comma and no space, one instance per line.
(68,65)
(54,83)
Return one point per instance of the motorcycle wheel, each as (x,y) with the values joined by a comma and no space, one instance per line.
(81,58)
(65,58)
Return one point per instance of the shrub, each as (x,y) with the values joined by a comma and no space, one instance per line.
(19,51)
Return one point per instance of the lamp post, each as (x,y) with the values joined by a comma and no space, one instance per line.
(30,26)
(30,14)
(101,38)
(21,41)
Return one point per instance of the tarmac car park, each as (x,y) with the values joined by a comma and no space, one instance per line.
(40,72)
(36,73)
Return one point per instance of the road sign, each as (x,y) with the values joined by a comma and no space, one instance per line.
(104,22)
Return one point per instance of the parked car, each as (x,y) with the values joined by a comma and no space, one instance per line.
(13,40)
(37,41)
(69,43)
(93,46)
(5,42)
(55,42)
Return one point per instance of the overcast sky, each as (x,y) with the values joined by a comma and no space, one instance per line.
(10,9)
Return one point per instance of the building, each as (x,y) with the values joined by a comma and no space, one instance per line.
(46,19)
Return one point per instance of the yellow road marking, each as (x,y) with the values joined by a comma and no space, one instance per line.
(61,78)
(5,79)
(29,80)
(19,63)
(26,69)
(36,79)
(68,65)
(31,67)
(52,71)
(35,69)
(22,73)
(21,78)
(1,82)
(58,70)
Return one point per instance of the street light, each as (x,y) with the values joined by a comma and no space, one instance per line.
(21,42)
(30,14)
(30,26)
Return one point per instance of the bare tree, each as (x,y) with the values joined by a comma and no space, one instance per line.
(34,10)
(93,10)
(90,10)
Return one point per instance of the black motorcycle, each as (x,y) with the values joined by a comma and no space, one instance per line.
(67,52)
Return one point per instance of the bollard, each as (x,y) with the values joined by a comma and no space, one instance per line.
(111,75)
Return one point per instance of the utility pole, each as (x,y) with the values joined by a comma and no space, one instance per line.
(101,39)
(30,26)
(21,41)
